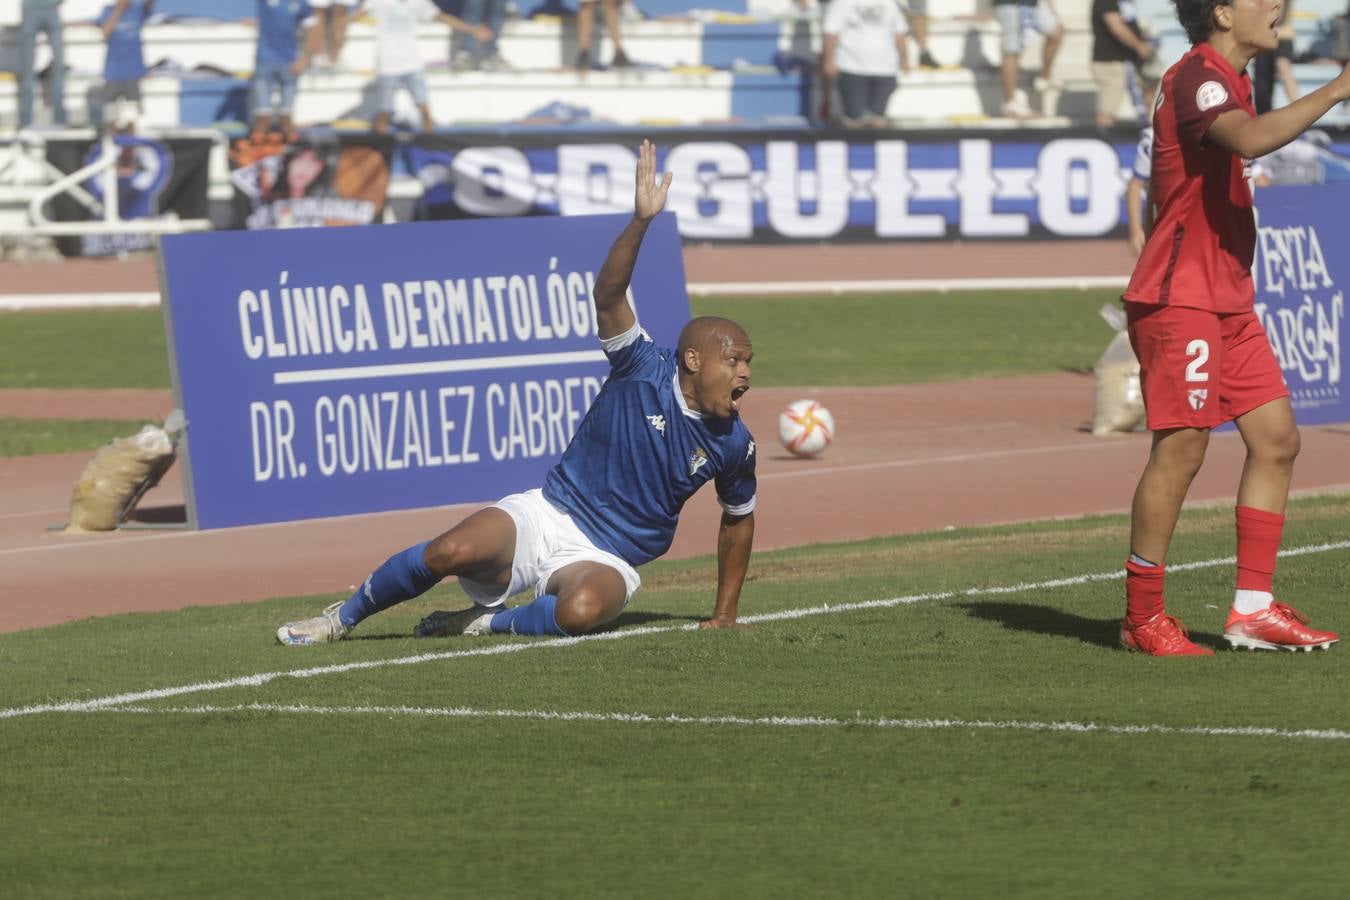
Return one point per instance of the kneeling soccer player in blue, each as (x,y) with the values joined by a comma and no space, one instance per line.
(664,424)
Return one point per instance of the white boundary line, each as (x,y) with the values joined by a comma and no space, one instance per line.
(21,302)
(262,678)
(112,299)
(463,712)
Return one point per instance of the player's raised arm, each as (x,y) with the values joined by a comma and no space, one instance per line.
(612,312)
(735,537)
(1254,137)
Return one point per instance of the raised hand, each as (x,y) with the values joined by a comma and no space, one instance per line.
(651,194)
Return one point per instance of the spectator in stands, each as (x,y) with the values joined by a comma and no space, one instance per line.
(1138,209)
(397,60)
(483,54)
(1016,16)
(118,101)
(1119,48)
(283,53)
(41,16)
(1267,67)
(916,14)
(865,50)
(586,29)
(329,34)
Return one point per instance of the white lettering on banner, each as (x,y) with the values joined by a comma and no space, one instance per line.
(533,419)
(1096,165)
(314,320)
(387,431)
(1307,338)
(893,186)
(1305,335)
(786,187)
(1074,187)
(273,434)
(487,310)
(595,179)
(1290,257)
(493,181)
(718,175)
(391,430)
(977,187)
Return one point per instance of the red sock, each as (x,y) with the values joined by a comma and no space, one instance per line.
(1258,540)
(1143,591)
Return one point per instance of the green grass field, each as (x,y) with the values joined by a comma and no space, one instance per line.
(29,437)
(896,749)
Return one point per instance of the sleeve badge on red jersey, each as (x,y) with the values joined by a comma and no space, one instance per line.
(1209,95)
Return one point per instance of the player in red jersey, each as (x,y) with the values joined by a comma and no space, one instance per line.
(1204,357)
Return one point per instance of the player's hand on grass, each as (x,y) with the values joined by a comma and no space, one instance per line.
(651,194)
(724,623)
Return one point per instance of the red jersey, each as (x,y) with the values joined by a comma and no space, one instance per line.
(1199,253)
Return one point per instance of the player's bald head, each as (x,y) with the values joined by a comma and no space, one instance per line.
(710,332)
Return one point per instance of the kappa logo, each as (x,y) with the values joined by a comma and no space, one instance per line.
(659,423)
(697,460)
(1197,397)
(1209,95)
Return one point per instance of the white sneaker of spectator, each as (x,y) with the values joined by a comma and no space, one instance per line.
(1018,107)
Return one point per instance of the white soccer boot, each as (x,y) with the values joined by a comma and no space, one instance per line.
(325,628)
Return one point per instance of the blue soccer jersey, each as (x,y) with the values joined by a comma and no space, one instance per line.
(125,60)
(641,452)
(279,30)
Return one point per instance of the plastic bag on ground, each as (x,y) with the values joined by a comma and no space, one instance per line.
(1118,403)
(121,471)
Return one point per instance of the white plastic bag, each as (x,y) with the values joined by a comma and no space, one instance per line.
(123,470)
(1119,403)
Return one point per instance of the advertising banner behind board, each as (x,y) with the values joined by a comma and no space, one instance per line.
(1301,270)
(333,371)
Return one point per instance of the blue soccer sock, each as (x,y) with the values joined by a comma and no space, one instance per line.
(403,576)
(539,617)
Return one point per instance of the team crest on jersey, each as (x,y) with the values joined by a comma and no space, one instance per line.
(1209,95)
(659,423)
(697,460)
(1197,397)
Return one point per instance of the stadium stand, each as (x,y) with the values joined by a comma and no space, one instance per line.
(699,62)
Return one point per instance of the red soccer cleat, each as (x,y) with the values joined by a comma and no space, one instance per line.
(1278,627)
(1161,635)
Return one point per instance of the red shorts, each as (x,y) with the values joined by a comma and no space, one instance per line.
(1199,369)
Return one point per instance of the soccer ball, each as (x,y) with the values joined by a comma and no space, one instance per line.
(805,428)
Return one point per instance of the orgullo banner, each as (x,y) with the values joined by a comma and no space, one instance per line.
(760,185)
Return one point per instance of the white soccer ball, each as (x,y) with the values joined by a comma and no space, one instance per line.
(805,428)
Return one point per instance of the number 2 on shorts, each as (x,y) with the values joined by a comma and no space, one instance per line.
(1200,350)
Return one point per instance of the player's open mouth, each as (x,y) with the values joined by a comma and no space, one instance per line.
(736,395)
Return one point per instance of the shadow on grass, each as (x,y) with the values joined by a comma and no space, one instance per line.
(627,620)
(635,619)
(1058,623)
